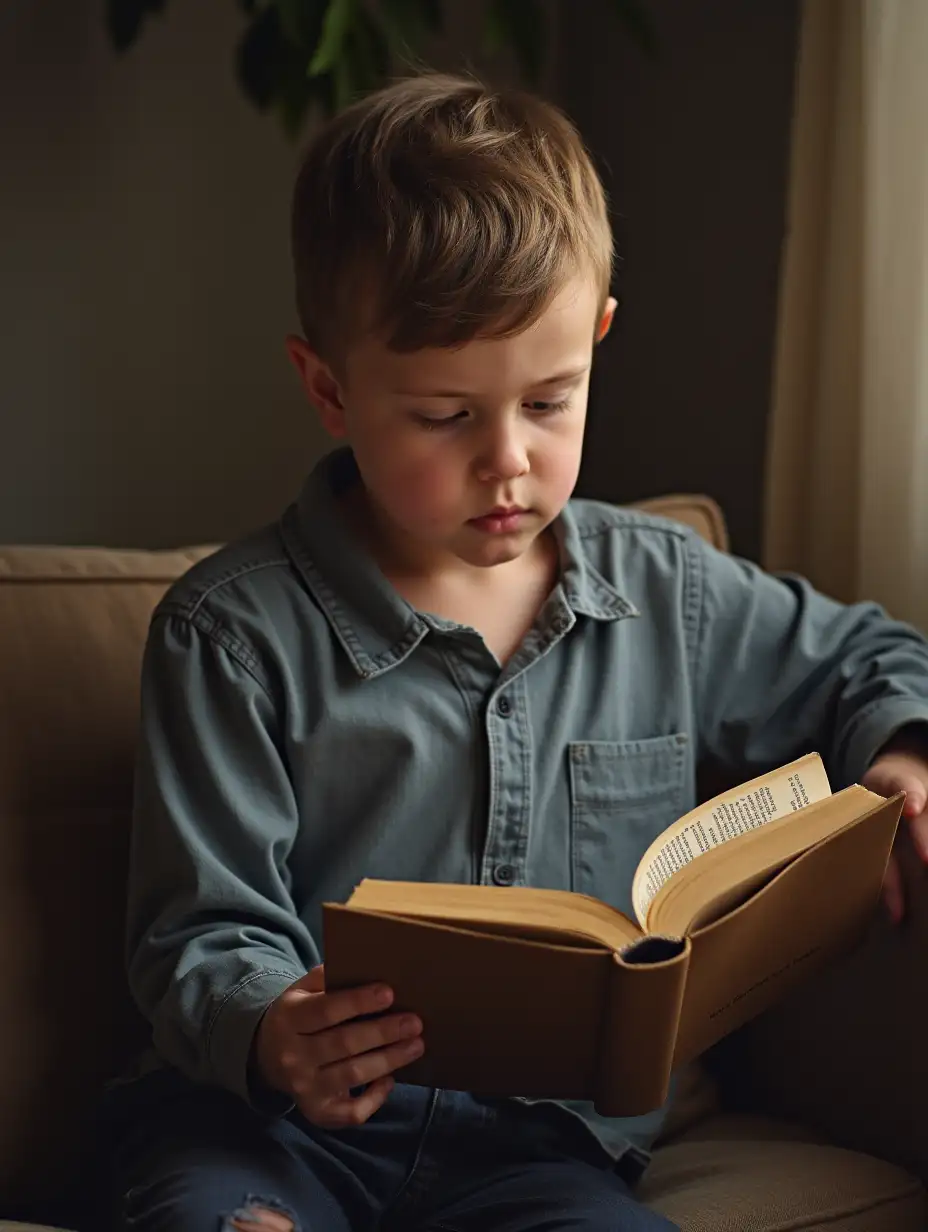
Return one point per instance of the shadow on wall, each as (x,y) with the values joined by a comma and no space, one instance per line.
(147,397)
(695,151)
(146,291)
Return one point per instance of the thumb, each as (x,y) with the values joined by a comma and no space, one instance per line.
(312,981)
(886,780)
(916,795)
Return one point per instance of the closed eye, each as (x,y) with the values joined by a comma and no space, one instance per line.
(433,422)
(548,408)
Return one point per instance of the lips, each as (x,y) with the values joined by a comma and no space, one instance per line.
(504,519)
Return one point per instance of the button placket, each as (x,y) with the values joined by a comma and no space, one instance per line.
(508,733)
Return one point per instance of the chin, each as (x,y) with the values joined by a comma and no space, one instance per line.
(496,552)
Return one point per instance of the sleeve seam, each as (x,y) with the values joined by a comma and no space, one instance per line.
(234,992)
(220,635)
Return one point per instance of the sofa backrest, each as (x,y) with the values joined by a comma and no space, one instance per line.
(72,627)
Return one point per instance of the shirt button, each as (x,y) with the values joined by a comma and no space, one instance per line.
(504,875)
(504,706)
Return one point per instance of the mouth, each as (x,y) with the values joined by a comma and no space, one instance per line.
(501,520)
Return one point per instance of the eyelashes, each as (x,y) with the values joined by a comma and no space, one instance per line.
(432,423)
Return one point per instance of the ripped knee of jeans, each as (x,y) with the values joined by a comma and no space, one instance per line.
(259,1214)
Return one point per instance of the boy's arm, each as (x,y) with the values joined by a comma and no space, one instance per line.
(212,934)
(781,670)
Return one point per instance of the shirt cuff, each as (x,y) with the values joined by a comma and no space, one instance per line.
(874,727)
(231,1034)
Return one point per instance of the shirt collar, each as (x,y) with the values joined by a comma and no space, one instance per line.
(377,628)
(586,591)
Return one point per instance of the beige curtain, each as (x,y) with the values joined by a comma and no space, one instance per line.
(847,480)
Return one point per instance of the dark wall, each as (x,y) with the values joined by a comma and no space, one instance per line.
(694,146)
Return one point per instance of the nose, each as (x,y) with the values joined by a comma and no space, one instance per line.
(504,455)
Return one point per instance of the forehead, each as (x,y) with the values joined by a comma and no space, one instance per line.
(561,338)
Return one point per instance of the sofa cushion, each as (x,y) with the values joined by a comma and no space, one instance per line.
(72,628)
(750,1174)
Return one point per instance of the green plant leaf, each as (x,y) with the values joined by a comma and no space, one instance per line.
(124,19)
(336,27)
(638,22)
(519,24)
(272,72)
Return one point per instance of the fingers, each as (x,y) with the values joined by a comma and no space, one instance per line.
(887,777)
(358,1071)
(313,1014)
(321,1046)
(915,796)
(365,1036)
(341,1113)
(893,893)
(312,981)
(918,828)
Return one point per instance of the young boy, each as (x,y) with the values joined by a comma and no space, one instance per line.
(437,667)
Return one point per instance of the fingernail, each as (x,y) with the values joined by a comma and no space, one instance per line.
(414,1048)
(410,1024)
(383,996)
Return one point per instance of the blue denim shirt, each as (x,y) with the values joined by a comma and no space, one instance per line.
(304,727)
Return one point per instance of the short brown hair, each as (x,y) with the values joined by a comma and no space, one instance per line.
(445,209)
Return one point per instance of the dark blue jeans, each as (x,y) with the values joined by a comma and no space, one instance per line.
(183,1158)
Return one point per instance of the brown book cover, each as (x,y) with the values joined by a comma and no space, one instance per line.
(548,993)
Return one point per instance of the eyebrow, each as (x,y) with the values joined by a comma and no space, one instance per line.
(560,378)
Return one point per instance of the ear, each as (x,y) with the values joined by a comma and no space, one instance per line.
(605,322)
(320,383)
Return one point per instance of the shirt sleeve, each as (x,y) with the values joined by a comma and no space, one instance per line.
(212,933)
(781,670)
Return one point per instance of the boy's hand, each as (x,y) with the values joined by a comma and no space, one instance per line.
(902,766)
(311,1045)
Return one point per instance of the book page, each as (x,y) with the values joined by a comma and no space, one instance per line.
(554,915)
(724,817)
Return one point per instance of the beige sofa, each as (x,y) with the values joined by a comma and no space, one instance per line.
(831,1130)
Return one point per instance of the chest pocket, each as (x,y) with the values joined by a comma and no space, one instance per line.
(622,795)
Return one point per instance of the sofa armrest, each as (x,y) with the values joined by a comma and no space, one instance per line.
(848,1054)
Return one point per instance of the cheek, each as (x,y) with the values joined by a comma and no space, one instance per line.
(561,463)
(422,487)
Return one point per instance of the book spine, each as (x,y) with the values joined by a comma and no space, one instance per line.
(639,1030)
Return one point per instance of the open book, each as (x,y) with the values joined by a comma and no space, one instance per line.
(553,994)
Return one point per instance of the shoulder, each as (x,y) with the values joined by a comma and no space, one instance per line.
(249,598)
(599,519)
(652,561)
(614,537)
(252,565)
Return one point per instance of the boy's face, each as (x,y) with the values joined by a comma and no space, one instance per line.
(467,453)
